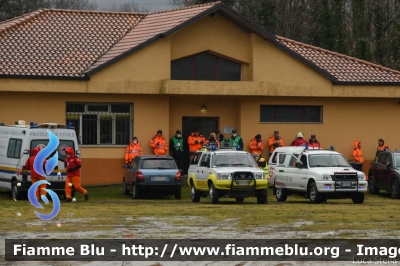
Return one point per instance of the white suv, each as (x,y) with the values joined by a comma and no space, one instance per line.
(226,173)
(315,173)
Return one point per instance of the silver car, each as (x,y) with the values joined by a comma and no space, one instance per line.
(152,173)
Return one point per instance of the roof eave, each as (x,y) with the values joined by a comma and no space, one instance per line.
(366,83)
(84,78)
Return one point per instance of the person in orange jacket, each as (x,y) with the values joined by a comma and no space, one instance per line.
(313,142)
(159,144)
(358,155)
(73,166)
(274,142)
(134,149)
(256,145)
(35,176)
(195,141)
(381,146)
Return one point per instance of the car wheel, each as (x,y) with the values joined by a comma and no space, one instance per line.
(358,198)
(280,194)
(135,191)
(126,191)
(178,194)
(372,185)
(195,194)
(213,194)
(262,196)
(315,196)
(240,199)
(394,191)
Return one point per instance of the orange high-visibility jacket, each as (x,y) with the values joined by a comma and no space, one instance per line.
(384,147)
(256,147)
(132,151)
(195,143)
(357,153)
(159,145)
(272,143)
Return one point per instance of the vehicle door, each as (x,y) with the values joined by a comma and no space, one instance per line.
(300,176)
(288,172)
(283,171)
(387,170)
(380,167)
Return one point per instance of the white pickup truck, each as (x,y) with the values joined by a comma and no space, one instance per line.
(315,173)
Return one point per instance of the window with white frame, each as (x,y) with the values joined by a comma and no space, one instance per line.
(101,123)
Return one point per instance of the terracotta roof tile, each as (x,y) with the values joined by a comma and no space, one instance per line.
(344,68)
(60,42)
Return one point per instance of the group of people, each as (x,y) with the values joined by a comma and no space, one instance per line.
(72,165)
(196,141)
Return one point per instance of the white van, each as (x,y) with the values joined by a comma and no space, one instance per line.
(16,141)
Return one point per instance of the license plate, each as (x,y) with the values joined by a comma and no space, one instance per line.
(345,184)
(159,178)
(243,183)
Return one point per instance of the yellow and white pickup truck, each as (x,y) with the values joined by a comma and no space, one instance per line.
(226,173)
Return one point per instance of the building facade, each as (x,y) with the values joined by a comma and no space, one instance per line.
(119,75)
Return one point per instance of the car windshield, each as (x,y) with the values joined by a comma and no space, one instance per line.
(396,162)
(233,159)
(158,164)
(328,160)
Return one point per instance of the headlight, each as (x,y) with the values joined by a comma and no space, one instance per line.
(361,177)
(259,176)
(326,177)
(224,176)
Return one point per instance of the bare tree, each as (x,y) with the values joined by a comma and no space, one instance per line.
(181,3)
(73,4)
(127,7)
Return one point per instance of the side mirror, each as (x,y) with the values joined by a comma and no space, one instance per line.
(388,164)
(125,166)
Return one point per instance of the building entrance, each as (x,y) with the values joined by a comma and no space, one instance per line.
(205,125)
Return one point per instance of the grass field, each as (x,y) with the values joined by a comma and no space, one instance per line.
(110,214)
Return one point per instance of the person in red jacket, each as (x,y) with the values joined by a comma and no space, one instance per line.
(35,176)
(133,150)
(256,145)
(299,140)
(159,144)
(73,166)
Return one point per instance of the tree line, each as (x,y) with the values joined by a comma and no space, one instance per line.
(365,29)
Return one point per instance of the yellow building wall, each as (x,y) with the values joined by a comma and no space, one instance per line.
(272,65)
(101,164)
(344,121)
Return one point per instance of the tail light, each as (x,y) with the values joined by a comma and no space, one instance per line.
(139,176)
(178,176)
